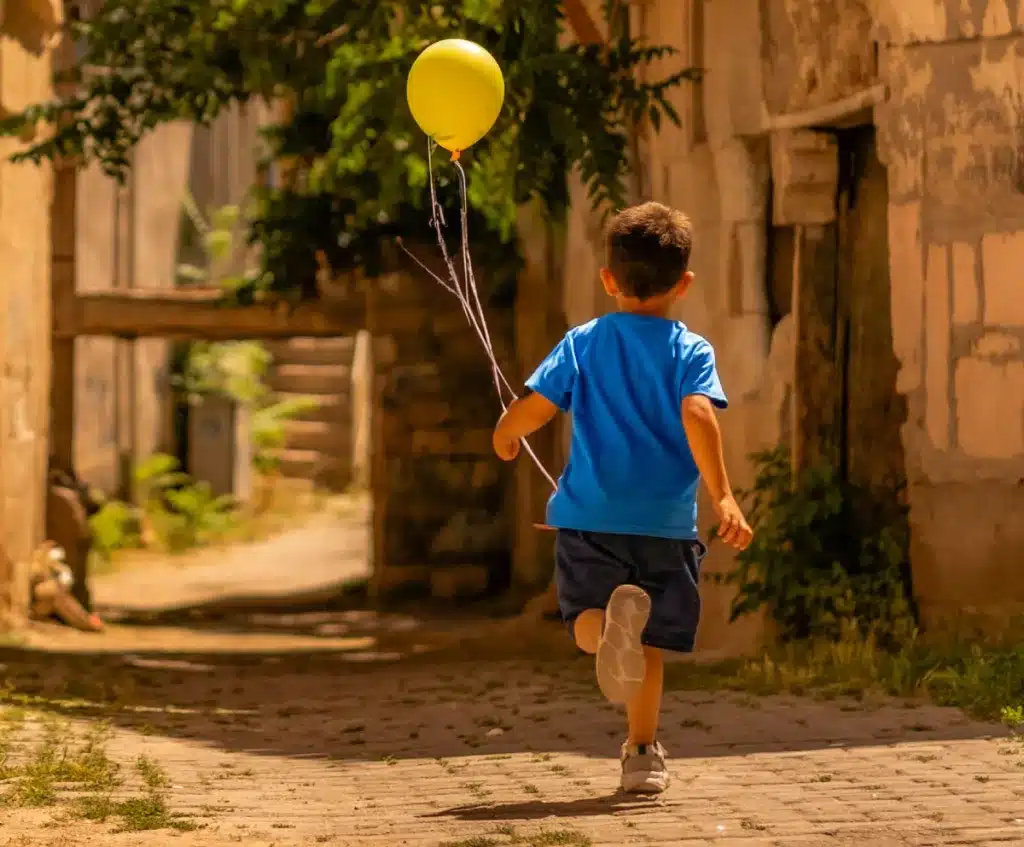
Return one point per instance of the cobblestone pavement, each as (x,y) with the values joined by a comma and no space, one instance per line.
(302,749)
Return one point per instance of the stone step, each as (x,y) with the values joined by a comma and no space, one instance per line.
(311,379)
(329,437)
(331,408)
(313,351)
(324,470)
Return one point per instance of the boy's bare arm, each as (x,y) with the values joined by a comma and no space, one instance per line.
(705,440)
(523,418)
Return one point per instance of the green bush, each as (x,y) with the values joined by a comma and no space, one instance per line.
(182,512)
(827,554)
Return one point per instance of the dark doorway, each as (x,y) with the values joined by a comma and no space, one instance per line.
(848,413)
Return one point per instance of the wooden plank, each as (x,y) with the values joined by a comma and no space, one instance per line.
(817,379)
(62,379)
(199,314)
(874,411)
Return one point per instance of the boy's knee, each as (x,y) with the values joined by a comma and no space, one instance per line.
(586,629)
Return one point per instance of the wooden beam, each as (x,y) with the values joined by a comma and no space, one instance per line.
(850,111)
(199,314)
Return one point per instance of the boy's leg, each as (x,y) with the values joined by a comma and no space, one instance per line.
(644,708)
(668,571)
(606,615)
(644,769)
(587,629)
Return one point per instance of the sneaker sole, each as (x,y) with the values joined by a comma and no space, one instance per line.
(620,655)
(646,786)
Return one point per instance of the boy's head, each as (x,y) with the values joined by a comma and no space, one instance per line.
(648,253)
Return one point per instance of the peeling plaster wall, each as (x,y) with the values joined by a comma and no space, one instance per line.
(816,51)
(953,139)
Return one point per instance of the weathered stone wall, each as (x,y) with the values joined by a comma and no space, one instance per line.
(953,134)
(817,52)
(26,193)
(443,503)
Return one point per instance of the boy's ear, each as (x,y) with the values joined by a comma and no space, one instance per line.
(685,281)
(611,287)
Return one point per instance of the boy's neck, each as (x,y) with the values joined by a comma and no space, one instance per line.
(656,307)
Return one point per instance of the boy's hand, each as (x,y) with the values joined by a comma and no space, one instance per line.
(506,448)
(733,528)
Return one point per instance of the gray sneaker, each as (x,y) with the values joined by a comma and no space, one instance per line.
(620,655)
(643,768)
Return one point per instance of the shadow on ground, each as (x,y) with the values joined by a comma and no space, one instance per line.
(356,685)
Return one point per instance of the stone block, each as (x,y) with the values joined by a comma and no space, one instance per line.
(997,21)
(746,272)
(459,582)
(733,85)
(471,532)
(805,173)
(693,186)
(438,442)
(907,275)
(966,303)
(1002,255)
(395,579)
(911,21)
(990,408)
(744,355)
(997,345)
(743,173)
(937,346)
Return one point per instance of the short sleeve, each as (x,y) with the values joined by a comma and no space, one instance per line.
(701,376)
(555,377)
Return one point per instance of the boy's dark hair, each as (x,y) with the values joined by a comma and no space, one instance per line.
(649,249)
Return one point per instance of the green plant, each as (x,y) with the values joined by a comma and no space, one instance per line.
(361,165)
(985,679)
(267,429)
(1013,716)
(827,554)
(115,527)
(181,512)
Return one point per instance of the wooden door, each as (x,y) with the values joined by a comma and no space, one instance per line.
(871,412)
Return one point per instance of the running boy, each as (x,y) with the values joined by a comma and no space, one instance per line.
(641,389)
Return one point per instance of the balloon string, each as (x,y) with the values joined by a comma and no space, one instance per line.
(465,288)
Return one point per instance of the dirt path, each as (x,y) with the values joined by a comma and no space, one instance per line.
(302,749)
(328,551)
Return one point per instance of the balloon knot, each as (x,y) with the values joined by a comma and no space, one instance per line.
(456,154)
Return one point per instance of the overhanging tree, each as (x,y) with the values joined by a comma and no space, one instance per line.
(361,175)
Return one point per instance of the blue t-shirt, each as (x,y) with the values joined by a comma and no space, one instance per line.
(623,378)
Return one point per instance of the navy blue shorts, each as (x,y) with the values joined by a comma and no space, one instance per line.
(589,566)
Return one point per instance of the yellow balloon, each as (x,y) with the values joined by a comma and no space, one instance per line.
(455,92)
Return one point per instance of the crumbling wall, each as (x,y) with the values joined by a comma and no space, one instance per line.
(953,139)
(816,52)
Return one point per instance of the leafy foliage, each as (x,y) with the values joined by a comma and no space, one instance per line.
(182,513)
(362,168)
(827,555)
(982,676)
